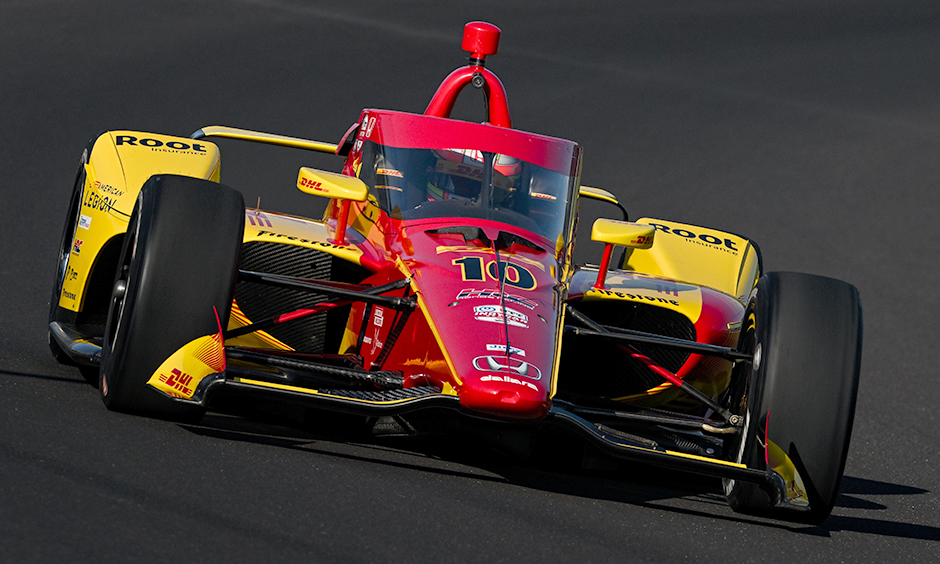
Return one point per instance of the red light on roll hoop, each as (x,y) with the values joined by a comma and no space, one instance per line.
(480,39)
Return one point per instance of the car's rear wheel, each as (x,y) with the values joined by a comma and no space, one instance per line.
(798,394)
(177,268)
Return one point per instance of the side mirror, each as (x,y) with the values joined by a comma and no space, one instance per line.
(331,185)
(337,186)
(603,196)
(612,232)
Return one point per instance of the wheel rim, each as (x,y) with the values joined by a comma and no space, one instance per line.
(740,395)
(116,307)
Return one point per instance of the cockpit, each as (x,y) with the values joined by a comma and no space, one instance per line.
(480,179)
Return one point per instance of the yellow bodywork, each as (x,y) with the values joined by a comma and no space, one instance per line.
(283,228)
(633,235)
(699,255)
(331,185)
(683,298)
(780,463)
(180,374)
(119,164)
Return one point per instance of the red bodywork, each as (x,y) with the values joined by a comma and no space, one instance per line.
(491,298)
(464,335)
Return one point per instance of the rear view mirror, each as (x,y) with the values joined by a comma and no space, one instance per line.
(622,233)
(331,185)
(337,186)
(633,235)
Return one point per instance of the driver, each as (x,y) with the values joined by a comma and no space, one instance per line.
(457,174)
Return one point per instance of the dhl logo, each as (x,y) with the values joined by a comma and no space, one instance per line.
(313,185)
(179,381)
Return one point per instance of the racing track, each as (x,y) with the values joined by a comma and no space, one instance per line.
(813,127)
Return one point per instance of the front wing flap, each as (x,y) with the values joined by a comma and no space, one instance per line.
(261,375)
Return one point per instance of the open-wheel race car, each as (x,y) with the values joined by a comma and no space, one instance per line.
(438,292)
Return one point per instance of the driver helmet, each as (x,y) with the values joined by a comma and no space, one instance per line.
(457,173)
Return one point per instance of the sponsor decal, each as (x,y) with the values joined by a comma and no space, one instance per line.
(494,294)
(70,273)
(84,222)
(642,240)
(69,295)
(300,240)
(179,381)
(312,184)
(96,201)
(510,380)
(368,127)
(499,314)
(389,172)
(159,146)
(637,297)
(257,218)
(490,363)
(378,320)
(108,189)
(726,245)
(666,287)
(502,349)
(77,246)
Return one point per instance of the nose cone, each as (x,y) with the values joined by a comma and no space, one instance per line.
(503,356)
(505,395)
(500,340)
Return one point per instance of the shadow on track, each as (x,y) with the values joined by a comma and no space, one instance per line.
(633,484)
(77,380)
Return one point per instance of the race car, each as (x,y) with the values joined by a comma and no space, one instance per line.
(438,292)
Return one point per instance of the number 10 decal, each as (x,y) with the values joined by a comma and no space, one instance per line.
(472,269)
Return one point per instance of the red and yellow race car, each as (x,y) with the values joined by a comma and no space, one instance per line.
(439,288)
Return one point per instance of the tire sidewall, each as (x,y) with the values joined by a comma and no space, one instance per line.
(179,260)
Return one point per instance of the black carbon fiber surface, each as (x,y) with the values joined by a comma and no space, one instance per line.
(262,302)
(590,366)
(384,395)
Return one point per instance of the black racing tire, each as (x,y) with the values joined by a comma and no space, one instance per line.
(179,260)
(805,333)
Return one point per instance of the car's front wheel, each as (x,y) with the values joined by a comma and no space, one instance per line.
(176,272)
(798,394)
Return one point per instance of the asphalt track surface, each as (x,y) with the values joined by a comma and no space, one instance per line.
(813,127)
